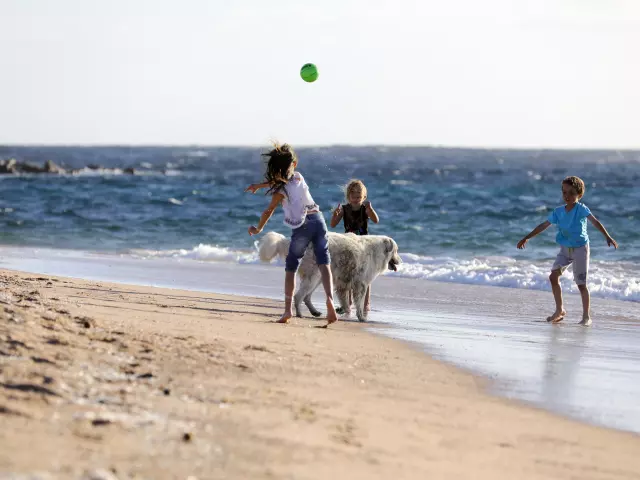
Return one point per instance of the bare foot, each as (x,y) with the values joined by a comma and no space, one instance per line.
(557,316)
(332,316)
(586,321)
(285,317)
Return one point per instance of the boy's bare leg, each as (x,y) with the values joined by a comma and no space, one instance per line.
(327,283)
(367,300)
(560,312)
(289,287)
(586,305)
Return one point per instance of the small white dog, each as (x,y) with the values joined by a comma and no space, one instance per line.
(355,262)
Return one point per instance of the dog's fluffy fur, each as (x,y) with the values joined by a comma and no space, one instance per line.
(355,262)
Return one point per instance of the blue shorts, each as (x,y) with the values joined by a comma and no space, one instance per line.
(313,230)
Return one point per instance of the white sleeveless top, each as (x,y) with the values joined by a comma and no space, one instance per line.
(297,201)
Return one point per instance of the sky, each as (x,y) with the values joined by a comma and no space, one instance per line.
(467,73)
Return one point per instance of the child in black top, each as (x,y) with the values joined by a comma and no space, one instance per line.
(355,215)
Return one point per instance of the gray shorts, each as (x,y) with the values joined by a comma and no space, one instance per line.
(579,257)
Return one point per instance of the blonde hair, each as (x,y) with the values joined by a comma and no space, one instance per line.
(354,185)
(576,183)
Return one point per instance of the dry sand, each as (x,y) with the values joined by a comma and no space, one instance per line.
(115,381)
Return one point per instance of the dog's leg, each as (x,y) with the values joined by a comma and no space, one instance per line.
(297,299)
(301,291)
(342,292)
(308,284)
(341,309)
(359,293)
(315,281)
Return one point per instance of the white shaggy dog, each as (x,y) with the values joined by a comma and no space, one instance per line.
(355,262)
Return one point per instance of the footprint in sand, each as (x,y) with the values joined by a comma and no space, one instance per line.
(107,339)
(85,322)
(16,344)
(8,411)
(43,360)
(258,348)
(29,388)
(50,316)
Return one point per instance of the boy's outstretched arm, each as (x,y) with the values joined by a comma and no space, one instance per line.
(539,229)
(254,187)
(596,223)
(266,215)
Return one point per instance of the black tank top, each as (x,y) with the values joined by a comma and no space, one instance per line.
(355,220)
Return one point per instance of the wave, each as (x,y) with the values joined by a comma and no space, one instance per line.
(606,279)
(202,252)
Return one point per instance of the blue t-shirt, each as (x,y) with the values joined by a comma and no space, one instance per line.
(572,225)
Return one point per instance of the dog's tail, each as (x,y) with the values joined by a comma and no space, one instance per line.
(272,245)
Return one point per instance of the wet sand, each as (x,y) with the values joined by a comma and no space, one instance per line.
(156,383)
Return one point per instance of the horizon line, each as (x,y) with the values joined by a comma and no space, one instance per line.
(310,145)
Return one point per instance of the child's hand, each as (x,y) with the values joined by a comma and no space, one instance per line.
(611,241)
(522,243)
(253,230)
(253,188)
(338,210)
(368,206)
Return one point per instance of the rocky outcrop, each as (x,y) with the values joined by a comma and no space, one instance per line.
(12,166)
(50,167)
(8,166)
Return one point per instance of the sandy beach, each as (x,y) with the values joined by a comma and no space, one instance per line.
(117,381)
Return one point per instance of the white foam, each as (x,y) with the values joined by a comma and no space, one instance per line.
(606,279)
(203,252)
(197,154)
(97,172)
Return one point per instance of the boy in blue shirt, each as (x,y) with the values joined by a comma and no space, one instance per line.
(572,237)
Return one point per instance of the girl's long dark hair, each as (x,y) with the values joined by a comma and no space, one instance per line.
(279,166)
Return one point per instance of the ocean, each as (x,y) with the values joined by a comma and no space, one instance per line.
(456,214)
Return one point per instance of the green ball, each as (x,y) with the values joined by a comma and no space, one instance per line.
(309,72)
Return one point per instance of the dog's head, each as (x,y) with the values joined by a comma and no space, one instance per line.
(393,259)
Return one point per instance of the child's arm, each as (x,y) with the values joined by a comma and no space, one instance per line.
(254,187)
(371,213)
(337,216)
(266,215)
(596,223)
(539,229)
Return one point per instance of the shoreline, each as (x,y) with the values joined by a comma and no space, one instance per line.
(493,332)
(609,282)
(170,383)
(469,326)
